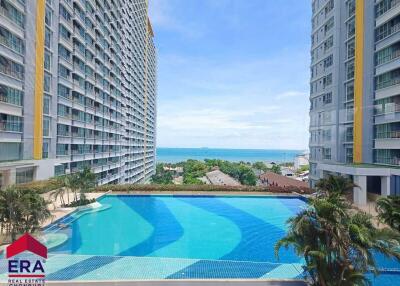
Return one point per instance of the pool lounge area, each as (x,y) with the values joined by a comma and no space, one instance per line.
(164,237)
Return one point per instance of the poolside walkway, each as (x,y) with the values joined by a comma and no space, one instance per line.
(57,211)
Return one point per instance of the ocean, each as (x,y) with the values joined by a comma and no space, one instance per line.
(174,155)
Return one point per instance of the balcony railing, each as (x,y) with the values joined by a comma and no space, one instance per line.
(388,135)
(388,83)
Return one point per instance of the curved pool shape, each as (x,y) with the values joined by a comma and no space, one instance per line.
(195,227)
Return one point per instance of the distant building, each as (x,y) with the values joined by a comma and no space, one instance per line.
(273,179)
(177,170)
(355,94)
(287,171)
(301,161)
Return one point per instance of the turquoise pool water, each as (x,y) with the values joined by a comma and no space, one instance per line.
(181,237)
(190,227)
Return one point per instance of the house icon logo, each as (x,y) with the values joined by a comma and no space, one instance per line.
(26,268)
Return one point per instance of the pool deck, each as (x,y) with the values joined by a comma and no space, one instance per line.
(83,269)
(58,212)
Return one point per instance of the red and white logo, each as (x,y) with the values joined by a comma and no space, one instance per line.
(26,257)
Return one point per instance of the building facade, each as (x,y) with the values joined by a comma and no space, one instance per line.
(355,94)
(77,88)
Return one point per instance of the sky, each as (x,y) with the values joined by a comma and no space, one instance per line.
(232,73)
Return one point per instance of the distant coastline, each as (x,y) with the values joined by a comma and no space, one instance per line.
(174,155)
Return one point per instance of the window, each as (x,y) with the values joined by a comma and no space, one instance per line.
(383,6)
(387,29)
(12,13)
(47,60)
(326,153)
(63,130)
(64,33)
(46,126)
(388,79)
(63,71)
(46,104)
(351,28)
(349,111)
(63,111)
(329,25)
(350,70)
(11,41)
(47,82)
(327,81)
(350,91)
(64,13)
(349,134)
(351,8)
(11,68)
(327,98)
(329,6)
(62,149)
(45,149)
(47,38)
(10,123)
(327,135)
(10,151)
(48,17)
(328,43)
(350,49)
(64,91)
(64,53)
(328,61)
(388,54)
(11,95)
(24,175)
(349,155)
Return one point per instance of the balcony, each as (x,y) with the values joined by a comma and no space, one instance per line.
(386,10)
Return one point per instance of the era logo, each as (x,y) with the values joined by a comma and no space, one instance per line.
(26,267)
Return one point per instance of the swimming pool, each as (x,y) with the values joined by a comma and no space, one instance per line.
(138,237)
(190,227)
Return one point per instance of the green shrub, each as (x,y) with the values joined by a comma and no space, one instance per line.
(41,187)
(200,188)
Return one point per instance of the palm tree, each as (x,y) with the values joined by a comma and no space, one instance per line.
(388,209)
(58,193)
(64,183)
(337,243)
(21,211)
(86,180)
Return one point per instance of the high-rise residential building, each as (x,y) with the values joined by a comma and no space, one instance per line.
(355,94)
(77,88)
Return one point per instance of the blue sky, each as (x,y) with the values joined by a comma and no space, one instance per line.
(232,73)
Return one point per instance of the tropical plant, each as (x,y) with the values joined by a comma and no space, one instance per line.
(21,211)
(78,183)
(260,166)
(336,242)
(388,209)
(161,176)
(86,181)
(276,169)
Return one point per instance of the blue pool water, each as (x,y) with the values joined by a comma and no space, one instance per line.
(174,237)
(194,227)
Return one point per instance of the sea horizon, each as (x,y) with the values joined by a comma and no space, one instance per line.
(177,154)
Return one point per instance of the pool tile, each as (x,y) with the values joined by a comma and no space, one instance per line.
(82,267)
(285,271)
(142,268)
(219,269)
